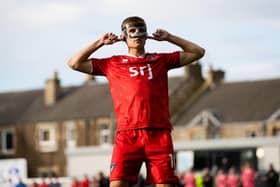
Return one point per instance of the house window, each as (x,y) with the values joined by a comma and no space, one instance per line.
(251,134)
(7,141)
(276,132)
(104,134)
(213,133)
(45,135)
(50,171)
(47,140)
(71,135)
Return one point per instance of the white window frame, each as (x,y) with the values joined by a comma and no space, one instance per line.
(47,145)
(104,133)
(71,134)
(3,145)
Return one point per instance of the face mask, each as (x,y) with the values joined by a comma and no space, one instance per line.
(137,30)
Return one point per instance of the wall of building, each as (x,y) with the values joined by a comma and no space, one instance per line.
(228,130)
(37,159)
(88,160)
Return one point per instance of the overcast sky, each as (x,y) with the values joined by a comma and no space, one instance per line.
(242,37)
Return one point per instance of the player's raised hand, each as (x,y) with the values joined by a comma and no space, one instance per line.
(160,35)
(109,38)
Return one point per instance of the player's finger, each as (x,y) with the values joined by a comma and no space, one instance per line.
(151,37)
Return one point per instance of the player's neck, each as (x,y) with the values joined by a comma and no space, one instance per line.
(136,52)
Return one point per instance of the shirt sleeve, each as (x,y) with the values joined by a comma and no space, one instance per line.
(99,66)
(172,60)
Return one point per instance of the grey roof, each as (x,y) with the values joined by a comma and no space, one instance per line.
(81,102)
(237,102)
(85,101)
(230,102)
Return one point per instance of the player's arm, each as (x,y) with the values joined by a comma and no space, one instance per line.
(191,52)
(80,61)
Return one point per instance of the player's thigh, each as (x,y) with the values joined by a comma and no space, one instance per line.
(127,157)
(165,185)
(160,160)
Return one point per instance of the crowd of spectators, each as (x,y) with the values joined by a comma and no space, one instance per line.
(247,177)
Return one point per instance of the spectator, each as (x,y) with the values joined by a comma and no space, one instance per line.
(95,182)
(85,182)
(248,175)
(207,178)
(75,182)
(43,183)
(189,178)
(271,177)
(233,178)
(221,179)
(34,184)
(55,182)
(198,181)
(20,183)
(181,180)
(103,181)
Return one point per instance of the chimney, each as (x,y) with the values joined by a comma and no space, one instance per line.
(52,90)
(193,72)
(215,76)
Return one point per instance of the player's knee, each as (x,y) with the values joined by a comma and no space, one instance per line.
(118,184)
(165,185)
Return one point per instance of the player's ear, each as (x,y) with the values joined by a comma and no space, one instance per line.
(122,37)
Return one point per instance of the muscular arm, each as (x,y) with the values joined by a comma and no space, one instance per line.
(80,61)
(191,52)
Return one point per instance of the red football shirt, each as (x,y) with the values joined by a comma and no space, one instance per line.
(139,88)
(233,180)
(221,180)
(189,179)
(248,177)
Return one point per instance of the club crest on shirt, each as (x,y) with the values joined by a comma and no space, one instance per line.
(151,57)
